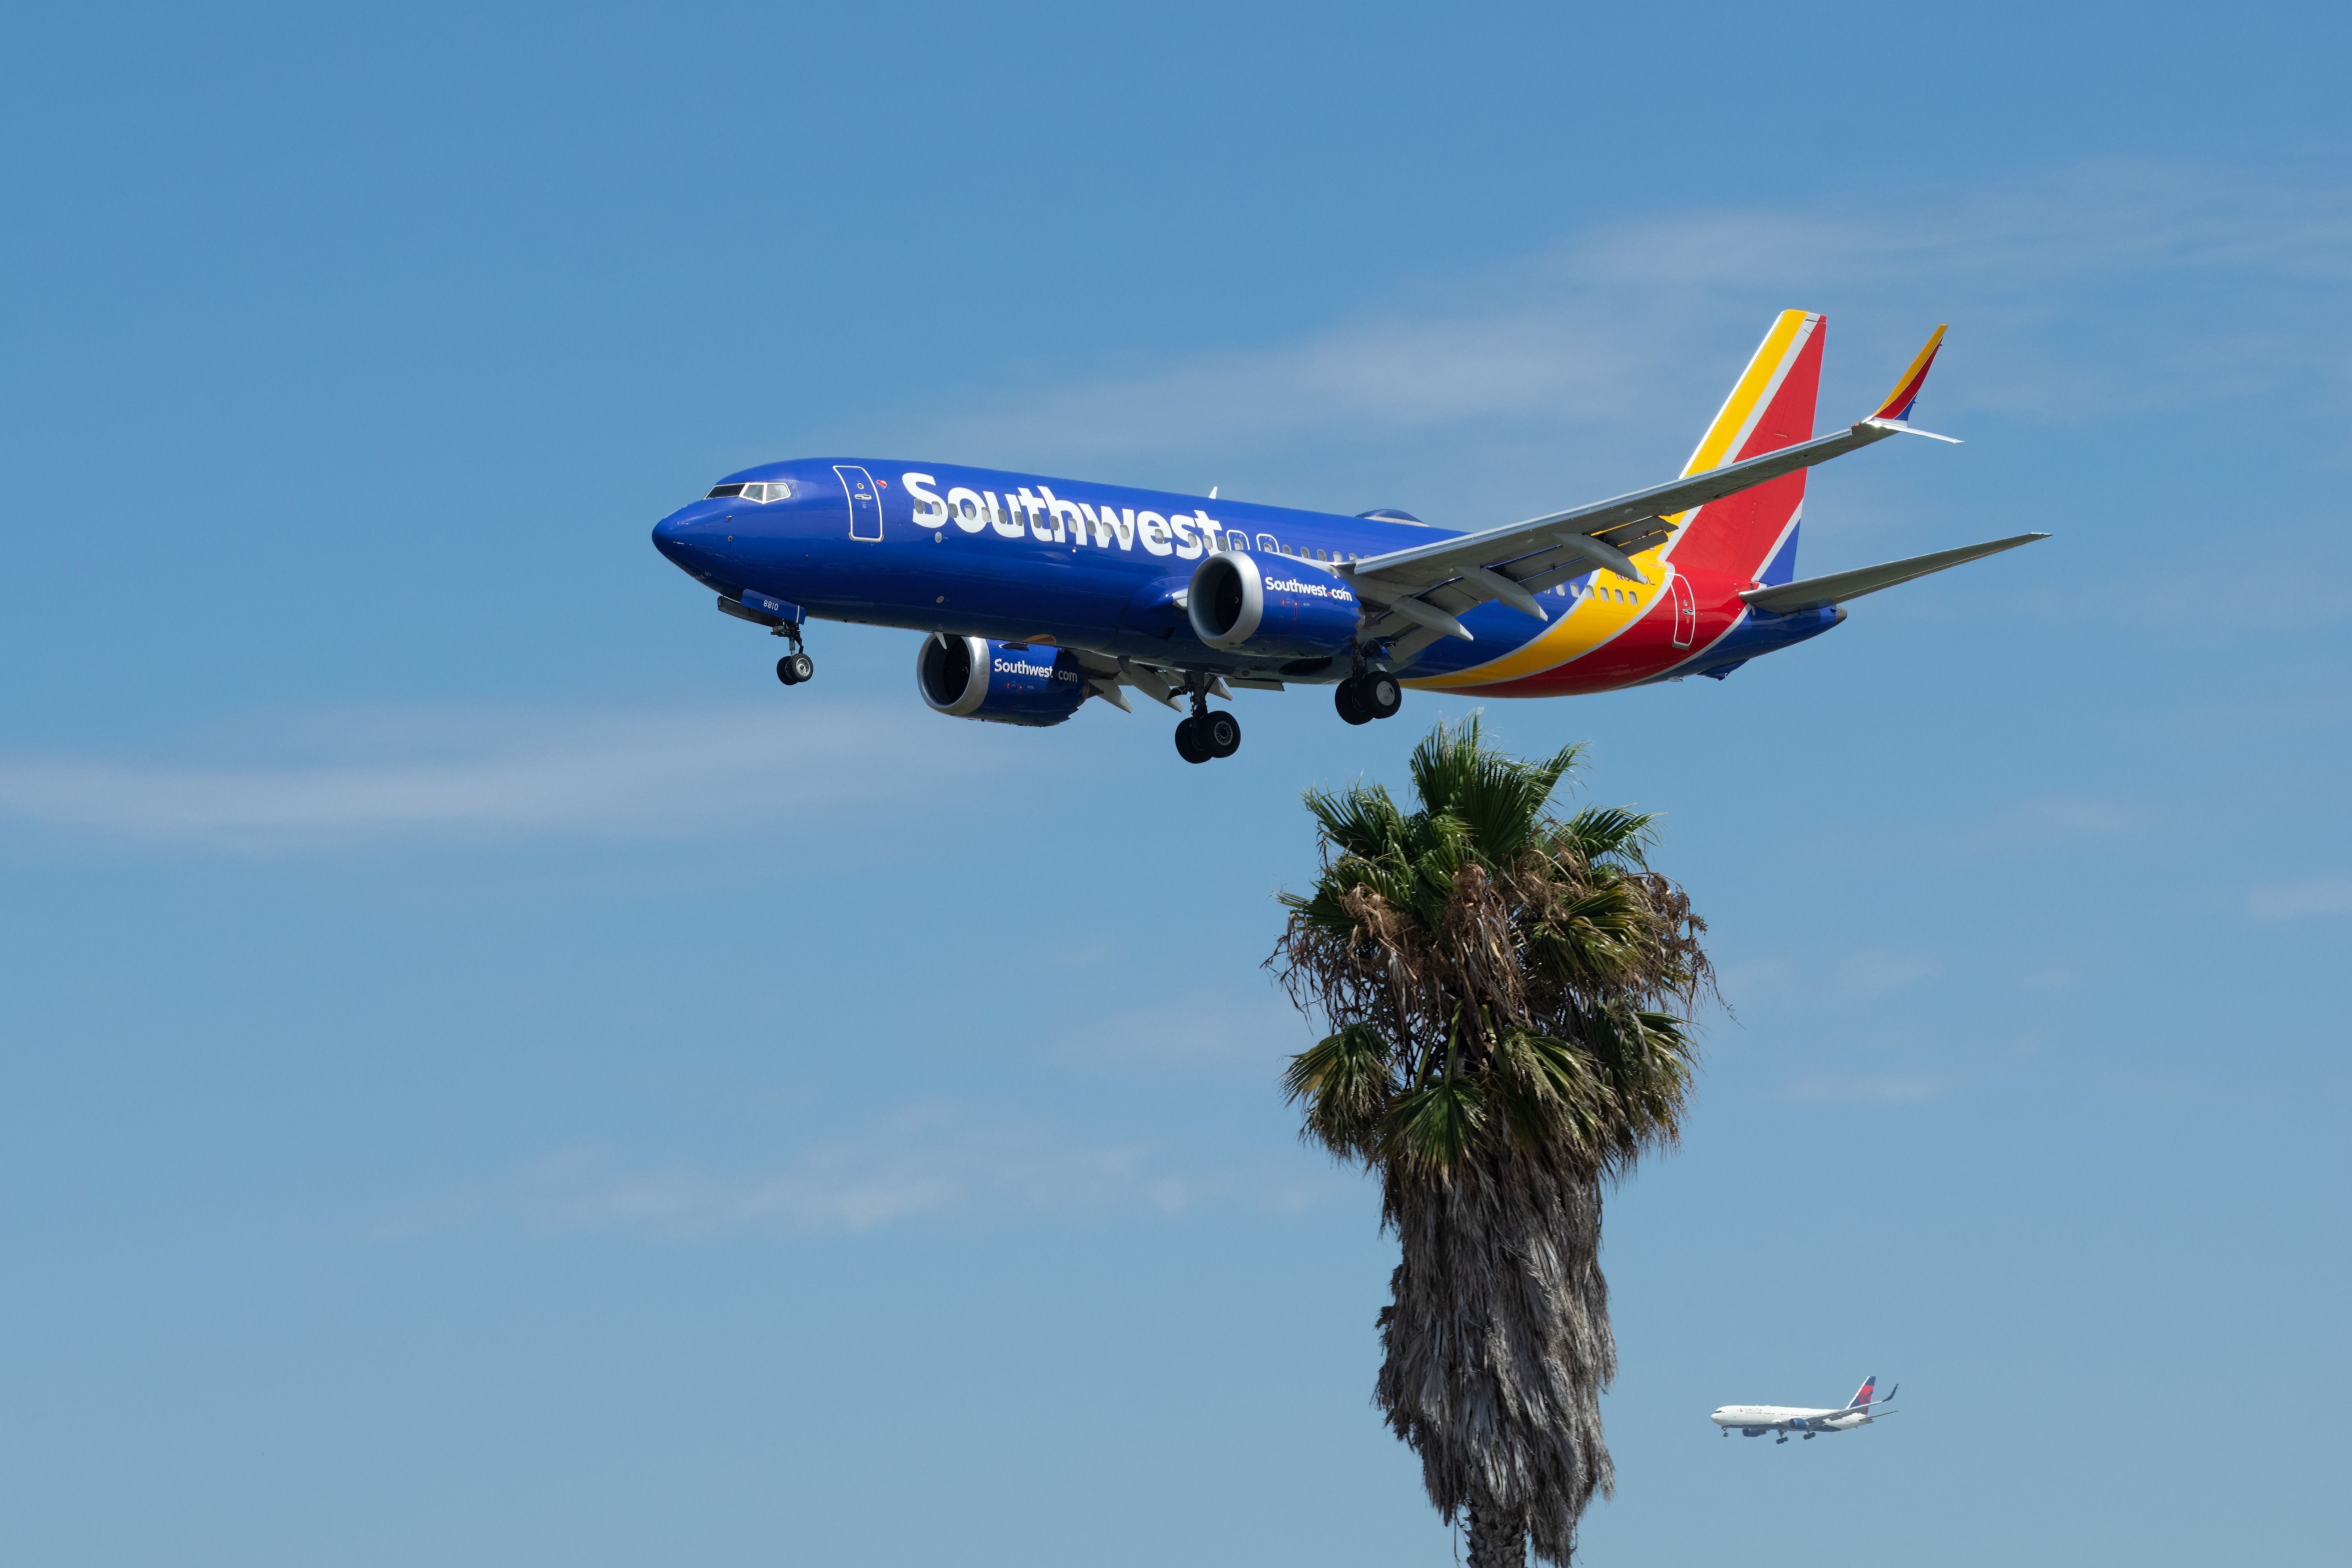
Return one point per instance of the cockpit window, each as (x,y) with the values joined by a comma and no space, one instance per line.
(773,490)
(718,490)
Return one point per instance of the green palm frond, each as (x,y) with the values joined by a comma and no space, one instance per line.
(1346,1080)
(1550,1097)
(1648,1058)
(1599,833)
(1429,1131)
(1499,800)
(1363,819)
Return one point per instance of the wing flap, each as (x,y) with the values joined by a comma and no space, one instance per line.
(1838,586)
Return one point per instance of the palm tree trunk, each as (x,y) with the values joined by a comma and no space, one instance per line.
(1495,1541)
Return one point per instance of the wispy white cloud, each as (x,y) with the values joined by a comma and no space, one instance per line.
(2051,818)
(928,1163)
(1868,1088)
(1874,971)
(647,775)
(1605,329)
(1570,361)
(1196,1032)
(2288,901)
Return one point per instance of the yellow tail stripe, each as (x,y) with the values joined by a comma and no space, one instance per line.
(1779,344)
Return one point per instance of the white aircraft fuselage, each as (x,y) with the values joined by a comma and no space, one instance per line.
(1755,1420)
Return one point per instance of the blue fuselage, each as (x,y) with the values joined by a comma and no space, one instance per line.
(1017,557)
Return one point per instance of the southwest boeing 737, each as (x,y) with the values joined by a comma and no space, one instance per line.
(1755,1420)
(1038,593)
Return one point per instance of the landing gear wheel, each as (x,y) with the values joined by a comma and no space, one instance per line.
(1364,697)
(796,668)
(1191,743)
(1223,731)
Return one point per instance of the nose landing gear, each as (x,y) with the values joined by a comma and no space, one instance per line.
(796,666)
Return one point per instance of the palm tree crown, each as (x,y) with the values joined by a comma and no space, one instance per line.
(1508,992)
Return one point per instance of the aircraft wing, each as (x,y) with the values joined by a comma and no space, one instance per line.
(1840,586)
(1424,590)
(1106,673)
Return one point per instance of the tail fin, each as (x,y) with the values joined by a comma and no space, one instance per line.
(1752,536)
(1863,1395)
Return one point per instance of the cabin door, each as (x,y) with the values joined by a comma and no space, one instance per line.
(1686,612)
(865,504)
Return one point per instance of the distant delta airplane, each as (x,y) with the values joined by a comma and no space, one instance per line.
(1755,1420)
(1038,593)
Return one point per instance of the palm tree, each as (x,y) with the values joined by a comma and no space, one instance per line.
(1510,993)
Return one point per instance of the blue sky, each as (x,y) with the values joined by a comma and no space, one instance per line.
(487,1076)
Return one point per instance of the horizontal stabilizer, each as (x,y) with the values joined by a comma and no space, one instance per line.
(1840,586)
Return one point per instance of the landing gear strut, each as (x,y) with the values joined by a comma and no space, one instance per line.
(796,666)
(1207,733)
(1369,695)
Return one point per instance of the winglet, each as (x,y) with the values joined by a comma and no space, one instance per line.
(1898,406)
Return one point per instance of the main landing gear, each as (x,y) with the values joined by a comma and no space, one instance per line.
(796,666)
(1207,734)
(1369,695)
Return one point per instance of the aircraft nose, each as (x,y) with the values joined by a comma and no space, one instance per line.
(688,537)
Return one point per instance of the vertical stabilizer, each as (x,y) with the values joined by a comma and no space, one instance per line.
(1751,537)
(1865,1394)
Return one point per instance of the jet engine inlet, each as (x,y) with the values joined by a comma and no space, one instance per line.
(1281,608)
(1226,600)
(998,683)
(954,674)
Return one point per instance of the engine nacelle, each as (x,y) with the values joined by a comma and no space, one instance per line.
(999,683)
(1276,608)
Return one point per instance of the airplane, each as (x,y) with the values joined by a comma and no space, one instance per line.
(1755,1420)
(1035,594)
